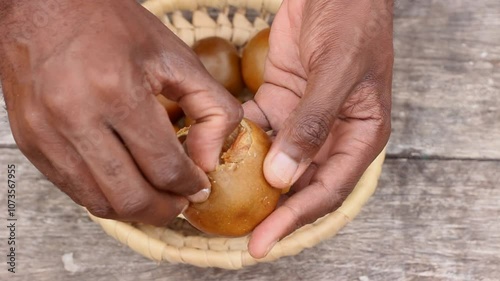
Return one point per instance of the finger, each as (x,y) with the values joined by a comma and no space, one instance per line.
(308,126)
(264,110)
(151,139)
(59,162)
(328,188)
(71,175)
(122,183)
(253,112)
(215,111)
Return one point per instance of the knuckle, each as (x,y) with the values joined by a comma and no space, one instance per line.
(131,205)
(166,171)
(107,81)
(297,220)
(113,168)
(101,210)
(63,107)
(318,55)
(67,109)
(229,115)
(57,103)
(335,196)
(371,100)
(169,174)
(311,131)
(165,76)
(340,195)
(234,115)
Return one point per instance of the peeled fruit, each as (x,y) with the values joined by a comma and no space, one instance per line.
(254,58)
(222,61)
(241,197)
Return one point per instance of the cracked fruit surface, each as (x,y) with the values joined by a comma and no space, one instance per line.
(241,197)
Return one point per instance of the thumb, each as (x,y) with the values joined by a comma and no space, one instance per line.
(306,129)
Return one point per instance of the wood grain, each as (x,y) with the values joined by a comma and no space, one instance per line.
(429,220)
(447,79)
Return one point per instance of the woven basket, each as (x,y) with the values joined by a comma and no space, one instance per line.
(193,20)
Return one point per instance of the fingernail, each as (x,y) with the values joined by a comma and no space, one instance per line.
(270,247)
(200,196)
(284,167)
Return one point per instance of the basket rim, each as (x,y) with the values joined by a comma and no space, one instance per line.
(160,7)
(304,237)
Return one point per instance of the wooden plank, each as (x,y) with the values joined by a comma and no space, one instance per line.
(429,220)
(447,79)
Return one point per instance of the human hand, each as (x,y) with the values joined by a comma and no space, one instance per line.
(80,94)
(327,96)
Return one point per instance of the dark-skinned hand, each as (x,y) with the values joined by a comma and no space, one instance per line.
(327,97)
(80,88)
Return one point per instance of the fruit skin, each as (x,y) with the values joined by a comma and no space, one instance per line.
(222,61)
(241,197)
(254,58)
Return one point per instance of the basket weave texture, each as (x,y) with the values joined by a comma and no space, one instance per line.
(179,242)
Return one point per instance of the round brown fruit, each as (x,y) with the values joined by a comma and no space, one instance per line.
(254,58)
(222,61)
(241,197)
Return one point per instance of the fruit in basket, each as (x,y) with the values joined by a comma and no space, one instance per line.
(254,58)
(241,197)
(222,61)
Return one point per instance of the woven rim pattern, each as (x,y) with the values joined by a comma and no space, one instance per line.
(180,243)
(229,24)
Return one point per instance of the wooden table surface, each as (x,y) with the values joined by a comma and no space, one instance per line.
(435,215)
